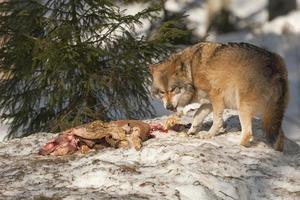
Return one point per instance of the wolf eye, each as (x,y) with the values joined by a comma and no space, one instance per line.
(175,90)
(161,92)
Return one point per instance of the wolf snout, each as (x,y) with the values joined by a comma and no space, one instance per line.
(170,107)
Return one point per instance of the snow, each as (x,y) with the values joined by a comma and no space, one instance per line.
(167,167)
(133,9)
(289,24)
(3,131)
(244,9)
(197,18)
(182,5)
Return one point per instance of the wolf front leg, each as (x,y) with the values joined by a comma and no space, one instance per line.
(218,109)
(199,117)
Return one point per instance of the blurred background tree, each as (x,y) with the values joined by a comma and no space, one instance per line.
(170,27)
(67,62)
(220,18)
(280,7)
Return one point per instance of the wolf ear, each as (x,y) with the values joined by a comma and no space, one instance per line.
(185,67)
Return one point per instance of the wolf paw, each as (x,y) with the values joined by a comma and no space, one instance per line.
(205,135)
(247,141)
(193,130)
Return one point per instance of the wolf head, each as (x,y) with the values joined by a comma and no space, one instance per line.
(172,83)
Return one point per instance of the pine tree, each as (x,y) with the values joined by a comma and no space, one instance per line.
(67,62)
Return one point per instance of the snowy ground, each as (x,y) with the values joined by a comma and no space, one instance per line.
(167,167)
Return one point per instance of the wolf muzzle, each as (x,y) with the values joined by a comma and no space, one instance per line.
(170,107)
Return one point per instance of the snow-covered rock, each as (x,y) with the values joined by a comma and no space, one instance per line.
(167,167)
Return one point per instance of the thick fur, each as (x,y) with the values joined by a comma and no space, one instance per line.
(234,75)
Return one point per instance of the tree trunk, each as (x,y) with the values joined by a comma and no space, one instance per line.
(280,7)
(220,18)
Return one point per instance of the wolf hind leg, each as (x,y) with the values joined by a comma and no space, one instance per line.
(245,116)
(199,117)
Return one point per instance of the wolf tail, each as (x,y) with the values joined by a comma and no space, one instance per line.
(274,111)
